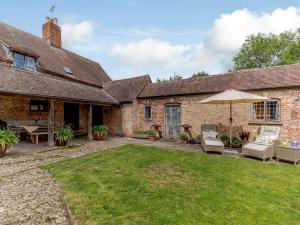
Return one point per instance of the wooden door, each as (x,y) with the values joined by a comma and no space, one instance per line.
(97,117)
(173,120)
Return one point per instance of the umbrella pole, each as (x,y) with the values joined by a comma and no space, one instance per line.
(230,124)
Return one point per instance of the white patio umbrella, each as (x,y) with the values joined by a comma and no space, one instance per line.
(233,97)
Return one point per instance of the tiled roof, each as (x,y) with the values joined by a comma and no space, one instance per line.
(252,79)
(126,90)
(21,82)
(51,58)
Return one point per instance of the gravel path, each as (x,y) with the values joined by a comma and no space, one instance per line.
(28,195)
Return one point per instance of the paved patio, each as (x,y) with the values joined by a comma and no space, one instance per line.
(28,195)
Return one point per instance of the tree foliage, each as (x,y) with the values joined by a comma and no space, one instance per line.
(171,78)
(262,50)
(199,75)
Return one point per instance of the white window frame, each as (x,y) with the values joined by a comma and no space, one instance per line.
(265,119)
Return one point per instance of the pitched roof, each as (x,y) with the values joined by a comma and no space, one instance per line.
(252,79)
(126,90)
(51,58)
(21,82)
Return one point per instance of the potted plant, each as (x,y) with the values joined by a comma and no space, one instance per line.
(225,139)
(7,138)
(245,136)
(236,142)
(64,135)
(183,138)
(152,135)
(100,132)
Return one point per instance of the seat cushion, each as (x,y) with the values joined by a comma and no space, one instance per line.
(212,142)
(257,147)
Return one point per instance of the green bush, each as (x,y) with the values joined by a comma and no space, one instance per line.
(198,139)
(100,129)
(64,135)
(183,136)
(237,141)
(225,137)
(7,138)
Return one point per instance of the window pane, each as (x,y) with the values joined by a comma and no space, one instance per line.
(30,63)
(258,110)
(272,112)
(148,115)
(19,60)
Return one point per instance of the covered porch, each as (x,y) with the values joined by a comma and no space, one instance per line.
(36,120)
(35,105)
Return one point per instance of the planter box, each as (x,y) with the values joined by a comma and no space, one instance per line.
(141,136)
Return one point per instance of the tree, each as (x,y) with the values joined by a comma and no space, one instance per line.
(262,50)
(199,75)
(171,78)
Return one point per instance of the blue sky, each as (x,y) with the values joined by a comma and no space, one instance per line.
(159,38)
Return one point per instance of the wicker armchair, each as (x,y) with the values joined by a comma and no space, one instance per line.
(260,150)
(211,144)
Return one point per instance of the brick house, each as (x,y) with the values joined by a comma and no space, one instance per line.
(42,83)
(178,102)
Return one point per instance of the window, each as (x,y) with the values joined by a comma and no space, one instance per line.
(266,111)
(148,112)
(68,70)
(39,105)
(24,62)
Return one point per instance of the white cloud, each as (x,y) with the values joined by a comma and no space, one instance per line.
(77,35)
(215,52)
(151,52)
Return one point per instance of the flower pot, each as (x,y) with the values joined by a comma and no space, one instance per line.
(183,141)
(152,138)
(98,137)
(61,143)
(2,151)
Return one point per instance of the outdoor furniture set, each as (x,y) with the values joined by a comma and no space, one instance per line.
(265,146)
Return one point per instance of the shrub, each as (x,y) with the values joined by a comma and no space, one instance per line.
(101,130)
(225,137)
(244,135)
(237,142)
(64,135)
(183,136)
(7,138)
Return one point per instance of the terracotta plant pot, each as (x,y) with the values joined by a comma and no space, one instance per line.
(183,141)
(98,137)
(61,143)
(2,151)
(152,138)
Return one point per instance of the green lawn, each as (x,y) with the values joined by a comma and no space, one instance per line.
(136,184)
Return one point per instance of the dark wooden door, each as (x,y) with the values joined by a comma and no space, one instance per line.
(71,115)
(173,120)
(97,115)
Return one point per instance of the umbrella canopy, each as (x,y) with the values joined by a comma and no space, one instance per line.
(233,96)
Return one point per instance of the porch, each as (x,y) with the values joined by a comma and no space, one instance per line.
(36,120)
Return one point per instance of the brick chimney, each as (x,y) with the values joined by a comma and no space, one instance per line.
(52,32)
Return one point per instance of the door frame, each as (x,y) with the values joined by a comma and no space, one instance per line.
(165,122)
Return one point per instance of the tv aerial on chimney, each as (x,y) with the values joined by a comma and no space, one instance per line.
(52,9)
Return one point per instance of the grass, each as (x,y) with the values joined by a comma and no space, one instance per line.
(136,184)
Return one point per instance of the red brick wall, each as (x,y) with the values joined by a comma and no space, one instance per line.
(112,119)
(195,114)
(52,33)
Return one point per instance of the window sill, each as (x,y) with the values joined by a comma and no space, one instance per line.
(264,123)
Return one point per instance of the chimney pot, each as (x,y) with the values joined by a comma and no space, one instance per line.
(52,32)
